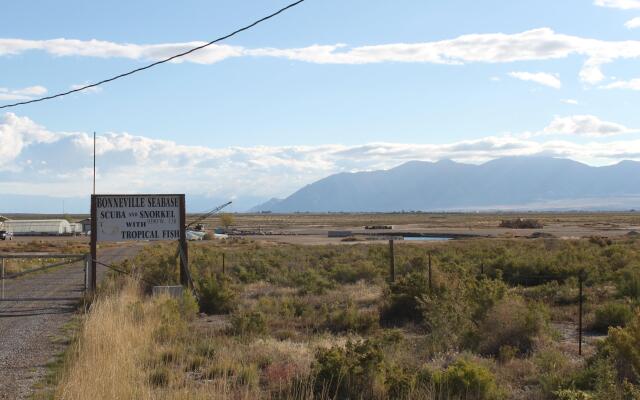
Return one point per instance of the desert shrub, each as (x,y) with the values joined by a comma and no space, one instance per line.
(600,241)
(189,305)
(628,283)
(160,376)
(464,379)
(399,382)
(447,318)
(599,376)
(554,371)
(546,292)
(623,345)
(174,324)
(617,257)
(614,371)
(350,372)
(451,313)
(311,282)
(511,322)
(611,314)
(349,319)
(507,353)
(483,294)
(216,295)
(572,394)
(402,299)
(521,223)
(163,270)
(357,271)
(248,323)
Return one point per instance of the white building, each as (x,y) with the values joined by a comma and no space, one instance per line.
(40,227)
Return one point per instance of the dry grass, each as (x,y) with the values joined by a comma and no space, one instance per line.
(131,347)
(112,346)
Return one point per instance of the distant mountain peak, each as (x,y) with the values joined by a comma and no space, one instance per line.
(529,182)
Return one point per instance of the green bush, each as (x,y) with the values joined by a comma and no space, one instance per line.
(465,379)
(399,382)
(572,394)
(629,283)
(349,319)
(611,314)
(511,322)
(451,313)
(311,282)
(249,323)
(623,346)
(350,372)
(216,295)
(556,371)
(402,300)
(360,270)
(189,305)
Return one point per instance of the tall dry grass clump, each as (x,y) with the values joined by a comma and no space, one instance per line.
(113,343)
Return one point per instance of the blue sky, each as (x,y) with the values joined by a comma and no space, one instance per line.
(329,86)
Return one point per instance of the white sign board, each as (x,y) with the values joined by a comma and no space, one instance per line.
(138,217)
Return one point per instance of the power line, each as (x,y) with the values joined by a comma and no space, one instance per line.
(157,62)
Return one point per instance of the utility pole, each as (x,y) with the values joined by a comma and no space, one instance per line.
(94,228)
(392,262)
(94,162)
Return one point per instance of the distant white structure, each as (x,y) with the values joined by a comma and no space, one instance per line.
(41,227)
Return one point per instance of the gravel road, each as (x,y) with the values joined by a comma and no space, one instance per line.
(28,327)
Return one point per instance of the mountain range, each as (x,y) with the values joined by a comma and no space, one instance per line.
(511,183)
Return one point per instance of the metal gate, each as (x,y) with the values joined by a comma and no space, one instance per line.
(37,281)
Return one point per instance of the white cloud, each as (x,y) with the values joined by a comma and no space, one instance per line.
(584,125)
(541,78)
(22,94)
(572,102)
(633,84)
(36,161)
(535,44)
(620,4)
(633,23)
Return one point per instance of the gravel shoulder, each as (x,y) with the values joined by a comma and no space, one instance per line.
(28,327)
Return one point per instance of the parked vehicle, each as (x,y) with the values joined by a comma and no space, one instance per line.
(5,235)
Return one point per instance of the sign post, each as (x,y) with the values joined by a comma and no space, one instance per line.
(148,217)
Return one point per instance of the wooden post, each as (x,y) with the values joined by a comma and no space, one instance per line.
(184,259)
(580,314)
(3,277)
(430,286)
(94,246)
(222,263)
(87,261)
(392,262)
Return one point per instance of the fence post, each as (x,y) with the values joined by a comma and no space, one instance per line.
(430,286)
(580,313)
(3,278)
(222,263)
(392,262)
(86,270)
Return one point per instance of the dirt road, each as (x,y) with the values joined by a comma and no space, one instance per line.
(28,327)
